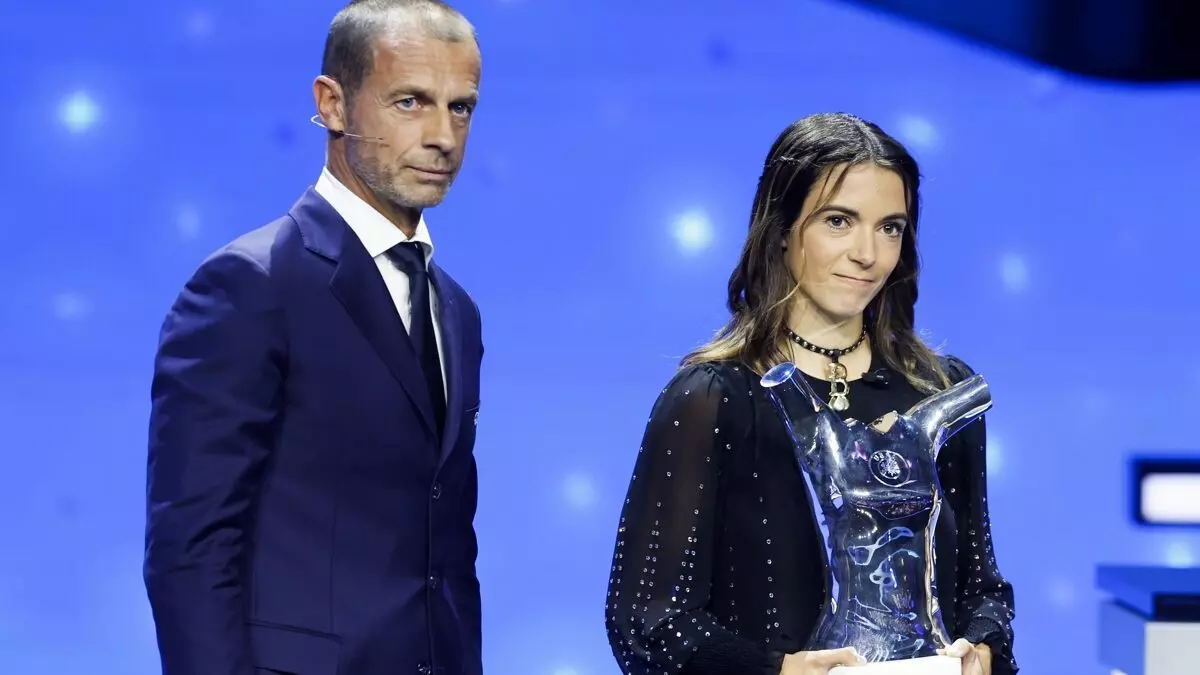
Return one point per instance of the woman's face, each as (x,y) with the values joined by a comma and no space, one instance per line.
(846,243)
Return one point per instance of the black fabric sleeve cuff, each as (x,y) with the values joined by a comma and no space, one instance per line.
(988,632)
(728,654)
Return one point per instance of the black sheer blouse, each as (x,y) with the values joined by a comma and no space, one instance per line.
(717,568)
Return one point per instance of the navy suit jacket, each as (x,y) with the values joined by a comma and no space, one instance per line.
(304,515)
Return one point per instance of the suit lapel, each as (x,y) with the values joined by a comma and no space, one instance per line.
(448,319)
(357,284)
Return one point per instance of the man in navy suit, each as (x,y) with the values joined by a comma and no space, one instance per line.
(312,483)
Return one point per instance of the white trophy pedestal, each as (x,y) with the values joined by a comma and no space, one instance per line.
(926,665)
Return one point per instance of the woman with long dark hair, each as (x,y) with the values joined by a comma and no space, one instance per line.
(718,566)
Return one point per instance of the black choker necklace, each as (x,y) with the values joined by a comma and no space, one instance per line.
(839,389)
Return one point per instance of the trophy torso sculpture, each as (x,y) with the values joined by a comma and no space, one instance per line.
(876,495)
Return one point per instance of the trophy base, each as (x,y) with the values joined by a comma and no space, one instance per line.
(925,665)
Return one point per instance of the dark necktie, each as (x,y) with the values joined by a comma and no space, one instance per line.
(410,258)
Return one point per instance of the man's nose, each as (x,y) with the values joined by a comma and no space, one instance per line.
(438,131)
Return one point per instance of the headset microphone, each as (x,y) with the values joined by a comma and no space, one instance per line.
(316,119)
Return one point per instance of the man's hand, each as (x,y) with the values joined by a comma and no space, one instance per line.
(976,659)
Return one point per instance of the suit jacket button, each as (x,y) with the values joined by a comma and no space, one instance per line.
(424,669)
(437,491)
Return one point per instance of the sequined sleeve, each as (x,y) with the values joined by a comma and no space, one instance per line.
(986,604)
(662,566)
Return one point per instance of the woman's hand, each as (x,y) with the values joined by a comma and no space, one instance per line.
(976,659)
(819,662)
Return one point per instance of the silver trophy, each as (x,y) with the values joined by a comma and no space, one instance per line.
(876,496)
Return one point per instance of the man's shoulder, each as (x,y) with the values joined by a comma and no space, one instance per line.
(261,247)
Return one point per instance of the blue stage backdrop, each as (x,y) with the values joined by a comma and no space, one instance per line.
(605,196)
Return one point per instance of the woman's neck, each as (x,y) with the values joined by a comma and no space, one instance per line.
(824,331)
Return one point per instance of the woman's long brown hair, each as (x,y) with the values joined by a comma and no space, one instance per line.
(761,287)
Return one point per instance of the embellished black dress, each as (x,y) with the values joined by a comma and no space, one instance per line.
(718,563)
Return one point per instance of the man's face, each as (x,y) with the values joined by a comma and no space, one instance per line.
(418,98)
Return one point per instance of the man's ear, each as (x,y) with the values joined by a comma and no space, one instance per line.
(330,101)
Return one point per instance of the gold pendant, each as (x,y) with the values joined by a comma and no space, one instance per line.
(837,398)
(839,389)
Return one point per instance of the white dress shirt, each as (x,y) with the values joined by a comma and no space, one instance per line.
(379,235)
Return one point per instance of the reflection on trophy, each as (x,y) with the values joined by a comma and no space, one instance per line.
(876,496)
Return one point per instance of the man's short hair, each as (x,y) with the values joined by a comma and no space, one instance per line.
(350,45)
